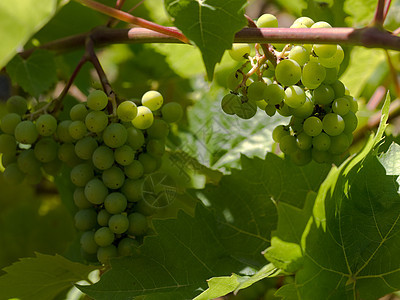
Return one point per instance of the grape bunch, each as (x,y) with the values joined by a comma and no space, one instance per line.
(303,85)
(109,155)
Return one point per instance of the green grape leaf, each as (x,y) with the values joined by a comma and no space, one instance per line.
(20,19)
(332,13)
(210,24)
(361,11)
(42,277)
(35,74)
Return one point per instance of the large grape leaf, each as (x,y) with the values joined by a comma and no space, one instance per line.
(42,277)
(210,24)
(19,20)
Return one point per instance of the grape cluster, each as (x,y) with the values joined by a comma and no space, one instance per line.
(109,155)
(303,85)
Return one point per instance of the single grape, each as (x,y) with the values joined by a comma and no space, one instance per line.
(321,142)
(321,157)
(321,24)
(85,219)
(87,242)
(325,50)
(313,75)
(9,122)
(13,175)
(149,163)
(155,148)
(53,167)
(118,223)
(284,110)
(96,121)
(103,158)
(128,247)
(255,91)
(228,103)
(296,124)
(303,141)
(103,236)
(144,118)
(80,199)
(127,111)
(17,104)
(172,112)
(77,129)
(132,189)
(239,51)
(7,159)
(85,147)
(353,103)
(26,132)
(333,124)
(46,150)
(312,126)
(288,72)
(299,54)
(341,106)
(134,170)
(137,224)
(66,153)
(115,203)
(261,104)
(97,100)
(63,132)
(301,157)
(124,155)
(46,125)
(274,94)
(105,253)
(324,94)
(113,177)
(115,135)
(308,22)
(95,191)
(34,178)
(270,110)
(246,110)
(233,80)
(294,96)
(287,144)
(267,20)
(339,144)
(303,111)
(158,130)
(350,122)
(81,174)
(333,61)
(102,217)
(338,88)
(8,145)
(78,112)
(331,75)
(135,138)
(153,100)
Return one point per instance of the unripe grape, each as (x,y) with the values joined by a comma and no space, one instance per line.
(118,223)
(63,132)
(103,236)
(299,54)
(333,124)
(325,50)
(267,20)
(172,112)
(13,175)
(26,132)
(313,75)
(66,153)
(274,94)
(303,141)
(102,217)
(158,130)
(321,142)
(7,159)
(261,104)
(334,60)
(324,94)
(288,72)
(78,112)
(294,96)
(105,253)
(246,110)
(308,22)
(85,147)
(85,219)
(331,75)
(81,174)
(279,132)
(115,203)
(96,121)
(321,24)
(287,144)
(8,145)
(284,110)
(341,106)
(46,125)
(312,126)
(128,247)
(303,111)
(53,167)
(239,51)
(153,100)
(321,156)
(77,129)
(9,122)
(339,144)
(115,135)
(301,157)
(134,170)
(233,80)
(103,158)
(270,110)
(95,191)
(255,91)
(124,155)
(338,88)
(149,163)
(88,243)
(144,118)
(80,199)
(350,122)
(132,189)
(137,224)
(113,178)
(135,138)
(46,150)
(17,104)
(127,111)
(155,148)
(97,100)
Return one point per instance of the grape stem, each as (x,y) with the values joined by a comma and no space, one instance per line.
(379,16)
(118,5)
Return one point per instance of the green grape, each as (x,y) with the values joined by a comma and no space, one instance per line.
(333,61)
(321,24)
(341,106)
(239,51)
(96,121)
(77,129)
(127,111)
(267,20)
(149,163)
(118,223)
(270,110)
(338,88)
(288,72)
(325,50)
(321,142)
(158,130)
(85,147)
(299,54)
(353,103)
(124,155)
(333,124)
(246,109)
(298,25)
(80,199)
(144,118)
(103,158)
(313,75)
(63,132)
(95,191)
(103,236)
(27,161)
(301,157)
(312,126)
(340,143)
(17,104)
(115,135)
(137,224)
(115,203)
(145,208)
(261,104)
(34,178)
(87,242)
(155,147)
(86,219)
(294,96)
(135,138)
(66,153)
(105,253)
(350,122)
(8,145)
(303,111)
(53,167)
(321,157)
(7,159)
(134,170)
(331,75)
(132,189)
(46,150)
(46,125)
(324,94)
(12,174)
(350,137)
(269,71)
(97,100)
(172,112)
(128,247)
(78,112)
(296,124)
(287,144)
(274,94)
(81,174)
(279,132)
(153,100)
(303,141)
(26,132)
(308,22)
(9,122)
(284,110)
(113,177)
(255,91)
(233,80)
(102,217)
